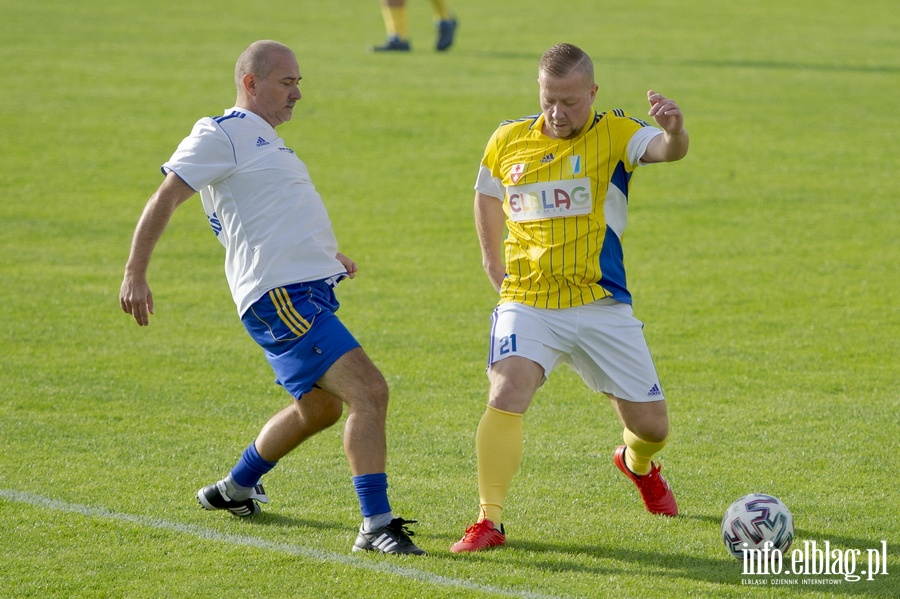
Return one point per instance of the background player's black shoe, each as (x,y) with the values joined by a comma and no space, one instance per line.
(393,44)
(215,497)
(446,31)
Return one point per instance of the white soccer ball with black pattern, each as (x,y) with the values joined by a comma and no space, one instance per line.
(754,519)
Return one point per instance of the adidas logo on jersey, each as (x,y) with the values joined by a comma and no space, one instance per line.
(654,391)
(547,159)
(260,142)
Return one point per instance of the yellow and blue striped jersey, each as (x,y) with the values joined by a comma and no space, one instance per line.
(566,207)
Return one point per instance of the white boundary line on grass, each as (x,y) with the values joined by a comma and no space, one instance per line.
(257,543)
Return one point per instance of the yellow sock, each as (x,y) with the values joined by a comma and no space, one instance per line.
(395,21)
(638,452)
(440,9)
(498,446)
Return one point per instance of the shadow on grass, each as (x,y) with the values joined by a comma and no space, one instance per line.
(675,563)
(274,520)
(801,534)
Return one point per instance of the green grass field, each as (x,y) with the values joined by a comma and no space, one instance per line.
(765,266)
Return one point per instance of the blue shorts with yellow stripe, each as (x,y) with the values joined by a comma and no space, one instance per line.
(301,335)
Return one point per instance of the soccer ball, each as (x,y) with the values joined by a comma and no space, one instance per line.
(753,520)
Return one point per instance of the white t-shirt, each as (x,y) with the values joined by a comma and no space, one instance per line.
(260,202)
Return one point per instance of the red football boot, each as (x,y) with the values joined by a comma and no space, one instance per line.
(481,535)
(655,491)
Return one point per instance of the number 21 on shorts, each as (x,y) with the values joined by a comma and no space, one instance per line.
(507,344)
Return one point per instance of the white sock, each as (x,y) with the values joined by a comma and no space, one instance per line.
(370,523)
(235,491)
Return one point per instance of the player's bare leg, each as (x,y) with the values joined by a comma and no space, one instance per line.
(514,382)
(358,383)
(649,420)
(313,413)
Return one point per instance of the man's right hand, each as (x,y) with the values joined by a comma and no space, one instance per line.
(136,299)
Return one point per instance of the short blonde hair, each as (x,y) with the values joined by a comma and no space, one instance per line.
(562,59)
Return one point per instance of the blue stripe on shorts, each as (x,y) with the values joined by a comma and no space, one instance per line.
(302,337)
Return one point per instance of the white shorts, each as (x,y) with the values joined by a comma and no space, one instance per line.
(602,341)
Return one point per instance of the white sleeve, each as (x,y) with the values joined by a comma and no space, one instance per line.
(203,157)
(488,184)
(638,143)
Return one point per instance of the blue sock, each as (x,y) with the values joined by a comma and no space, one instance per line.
(372,492)
(250,467)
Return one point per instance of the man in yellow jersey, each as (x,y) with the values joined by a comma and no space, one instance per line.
(559,182)
(395,25)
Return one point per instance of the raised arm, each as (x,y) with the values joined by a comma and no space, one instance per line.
(673,143)
(490,221)
(135,297)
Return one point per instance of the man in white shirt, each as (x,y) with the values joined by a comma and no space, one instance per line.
(282,264)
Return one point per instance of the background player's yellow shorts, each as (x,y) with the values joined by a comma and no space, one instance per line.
(602,341)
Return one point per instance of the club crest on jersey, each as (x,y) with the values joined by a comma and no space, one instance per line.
(518,170)
(574,165)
